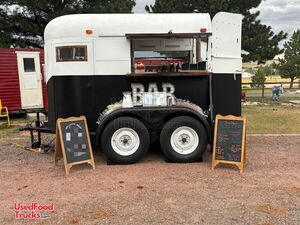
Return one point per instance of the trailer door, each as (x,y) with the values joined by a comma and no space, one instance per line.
(226,43)
(30,78)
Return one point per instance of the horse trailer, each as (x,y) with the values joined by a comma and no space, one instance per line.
(92,68)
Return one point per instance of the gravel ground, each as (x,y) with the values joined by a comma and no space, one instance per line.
(156,192)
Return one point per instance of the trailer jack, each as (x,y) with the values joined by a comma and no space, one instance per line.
(36,127)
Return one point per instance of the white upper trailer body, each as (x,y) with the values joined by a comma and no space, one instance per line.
(107,42)
(142,77)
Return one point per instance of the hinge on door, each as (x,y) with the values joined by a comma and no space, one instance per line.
(209,67)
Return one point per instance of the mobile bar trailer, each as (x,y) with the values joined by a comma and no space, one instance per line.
(90,64)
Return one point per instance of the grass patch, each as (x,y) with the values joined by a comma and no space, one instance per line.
(6,132)
(257,92)
(255,95)
(269,100)
(16,123)
(273,119)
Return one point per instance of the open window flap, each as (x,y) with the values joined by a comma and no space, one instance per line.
(226,43)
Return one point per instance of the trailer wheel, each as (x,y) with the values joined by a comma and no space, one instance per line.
(183,139)
(125,140)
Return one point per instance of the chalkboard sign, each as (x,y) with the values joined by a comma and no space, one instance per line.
(229,141)
(73,142)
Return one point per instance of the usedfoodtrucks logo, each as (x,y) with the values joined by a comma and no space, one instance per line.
(33,210)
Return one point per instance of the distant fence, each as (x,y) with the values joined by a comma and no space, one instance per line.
(268,86)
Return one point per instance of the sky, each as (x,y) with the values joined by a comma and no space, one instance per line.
(279,14)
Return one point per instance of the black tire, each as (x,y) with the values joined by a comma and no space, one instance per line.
(178,123)
(117,125)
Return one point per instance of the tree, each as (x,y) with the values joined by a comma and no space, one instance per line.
(289,66)
(259,42)
(4,36)
(260,76)
(22,22)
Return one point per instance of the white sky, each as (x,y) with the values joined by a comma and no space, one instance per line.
(140,5)
(280,14)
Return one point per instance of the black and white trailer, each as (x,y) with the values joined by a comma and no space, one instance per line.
(90,70)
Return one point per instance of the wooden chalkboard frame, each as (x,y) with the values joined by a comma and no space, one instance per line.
(240,164)
(60,148)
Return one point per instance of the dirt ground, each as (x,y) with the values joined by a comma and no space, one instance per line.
(156,192)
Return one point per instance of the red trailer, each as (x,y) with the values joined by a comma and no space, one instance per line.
(22,85)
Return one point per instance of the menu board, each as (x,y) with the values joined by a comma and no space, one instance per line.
(72,142)
(229,141)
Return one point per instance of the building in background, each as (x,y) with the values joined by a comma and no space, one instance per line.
(22,87)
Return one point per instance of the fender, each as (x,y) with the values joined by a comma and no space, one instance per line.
(148,114)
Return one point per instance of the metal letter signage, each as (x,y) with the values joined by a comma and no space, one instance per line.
(153,96)
(152,87)
(137,94)
(169,89)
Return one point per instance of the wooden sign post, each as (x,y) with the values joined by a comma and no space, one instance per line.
(73,142)
(229,141)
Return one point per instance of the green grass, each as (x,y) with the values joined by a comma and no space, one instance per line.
(255,95)
(269,100)
(16,123)
(274,119)
(252,92)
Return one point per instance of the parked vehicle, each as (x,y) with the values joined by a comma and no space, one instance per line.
(90,70)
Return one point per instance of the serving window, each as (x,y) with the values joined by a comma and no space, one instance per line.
(168,54)
(71,53)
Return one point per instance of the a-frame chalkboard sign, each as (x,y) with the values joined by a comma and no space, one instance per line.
(73,142)
(229,141)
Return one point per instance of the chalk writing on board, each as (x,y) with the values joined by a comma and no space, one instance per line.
(75,141)
(229,140)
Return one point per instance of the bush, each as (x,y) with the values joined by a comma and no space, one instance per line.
(260,76)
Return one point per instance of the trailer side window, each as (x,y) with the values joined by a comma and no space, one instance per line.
(71,53)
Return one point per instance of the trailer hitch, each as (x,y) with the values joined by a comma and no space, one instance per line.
(38,127)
